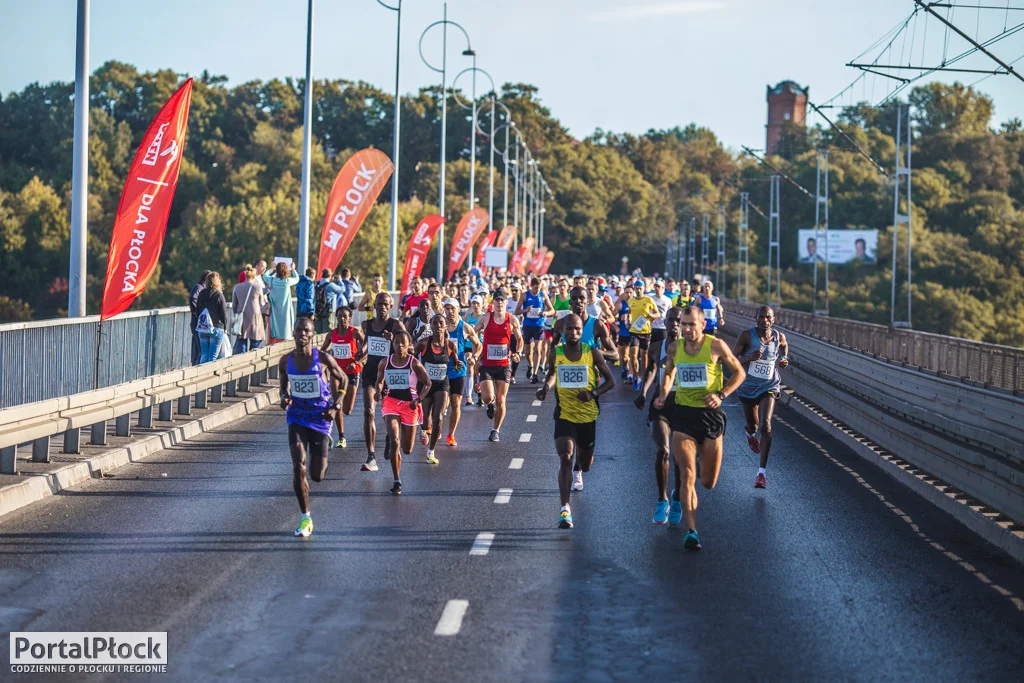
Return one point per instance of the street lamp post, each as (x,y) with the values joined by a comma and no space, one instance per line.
(472,158)
(80,169)
(307,131)
(444,118)
(393,249)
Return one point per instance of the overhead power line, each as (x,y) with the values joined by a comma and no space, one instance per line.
(1009,69)
(779,172)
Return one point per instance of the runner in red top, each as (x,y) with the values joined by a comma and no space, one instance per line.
(499,330)
(343,344)
(412,299)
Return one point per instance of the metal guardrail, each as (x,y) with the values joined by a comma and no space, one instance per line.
(51,358)
(968,435)
(986,365)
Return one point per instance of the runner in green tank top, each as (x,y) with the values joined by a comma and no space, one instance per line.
(698,423)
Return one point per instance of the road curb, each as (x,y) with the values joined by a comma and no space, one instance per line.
(978,518)
(37,487)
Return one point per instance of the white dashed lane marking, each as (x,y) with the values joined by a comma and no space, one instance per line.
(525,437)
(516,464)
(536,404)
(482,543)
(503,496)
(531,418)
(450,622)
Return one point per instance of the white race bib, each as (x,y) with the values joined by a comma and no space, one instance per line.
(534,312)
(397,378)
(710,314)
(571,376)
(497,351)
(639,324)
(562,314)
(304,386)
(436,371)
(342,351)
(378,346)
(510,306)
(691,375)
(761,369)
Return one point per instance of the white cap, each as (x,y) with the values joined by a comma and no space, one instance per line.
(476,299)
(452,302)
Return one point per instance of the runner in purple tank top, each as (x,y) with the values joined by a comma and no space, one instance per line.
(312,386)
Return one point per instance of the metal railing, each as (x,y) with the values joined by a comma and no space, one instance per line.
(51,358)
(990,365)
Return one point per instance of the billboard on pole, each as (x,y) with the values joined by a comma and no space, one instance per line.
(844,246)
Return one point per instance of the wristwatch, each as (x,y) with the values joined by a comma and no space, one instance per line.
(593,395)
(721,397)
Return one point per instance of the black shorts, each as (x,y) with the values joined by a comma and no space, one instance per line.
(368,374)
(353,381)
(698,423)
(497,373)
(657,335)
(771,393)
(456,385)
(435,387)
(641,340)
(665,414)
(532,334)
(317,443)
(583,433)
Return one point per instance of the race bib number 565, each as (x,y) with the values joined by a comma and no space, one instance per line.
(378,346)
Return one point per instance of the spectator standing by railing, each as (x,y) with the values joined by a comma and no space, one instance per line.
(329,296)
(212,326)
(247,313)
(193,303)
(305,293)
(351,285)
(282,316)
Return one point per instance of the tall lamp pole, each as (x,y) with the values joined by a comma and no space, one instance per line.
(307,131)
(444,23)
(396,137)
(472,155)
(80,168)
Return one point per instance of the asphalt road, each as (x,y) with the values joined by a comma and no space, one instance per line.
(833,572)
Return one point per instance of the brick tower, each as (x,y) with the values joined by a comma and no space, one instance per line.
(787,103)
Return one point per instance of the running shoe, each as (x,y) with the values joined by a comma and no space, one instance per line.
(675,511)
(565,519)
(305,527)
(690,540)
(494,435)
(397,488)
(534,379)
(469,401)
(341,443)
(424,436)
(760,482)
(479,402)
(638,384)
(431,458)
(753,442)
(512,380)
(370,465)
(452,441)
(577,480)
(661,512)
(490,411)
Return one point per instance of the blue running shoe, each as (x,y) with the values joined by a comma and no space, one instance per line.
(565,519)
(675,511)
(690,540)
(661,513)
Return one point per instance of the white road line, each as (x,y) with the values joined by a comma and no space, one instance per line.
(503,496)
(531,418)
(525,437)
(450,622)
(482,544)
(516,464)
(536,404)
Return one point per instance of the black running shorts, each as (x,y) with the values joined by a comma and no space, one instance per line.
(583,433)
(698,423)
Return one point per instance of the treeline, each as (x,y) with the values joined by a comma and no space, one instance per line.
(615,195)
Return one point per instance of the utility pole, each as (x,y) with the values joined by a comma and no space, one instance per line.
(307,137)
(774,295)
(80,169)
(705,246)
(901,218)
(720,255)
(691,249)
(821,228)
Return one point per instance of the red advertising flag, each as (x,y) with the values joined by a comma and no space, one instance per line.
(535,262)
(470,228)
(548,258)
(141,219)
(419,245)
(528,243)
(518,260)
(507,236)
(485,243)
(352,196)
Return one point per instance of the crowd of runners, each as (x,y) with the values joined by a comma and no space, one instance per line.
(449,346)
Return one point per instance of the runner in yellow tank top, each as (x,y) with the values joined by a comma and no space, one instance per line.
(573,368)
(698,423)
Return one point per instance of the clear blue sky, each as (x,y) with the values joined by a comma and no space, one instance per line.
(616,65)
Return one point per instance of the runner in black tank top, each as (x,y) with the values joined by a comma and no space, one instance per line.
(378,333)
(434,353)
